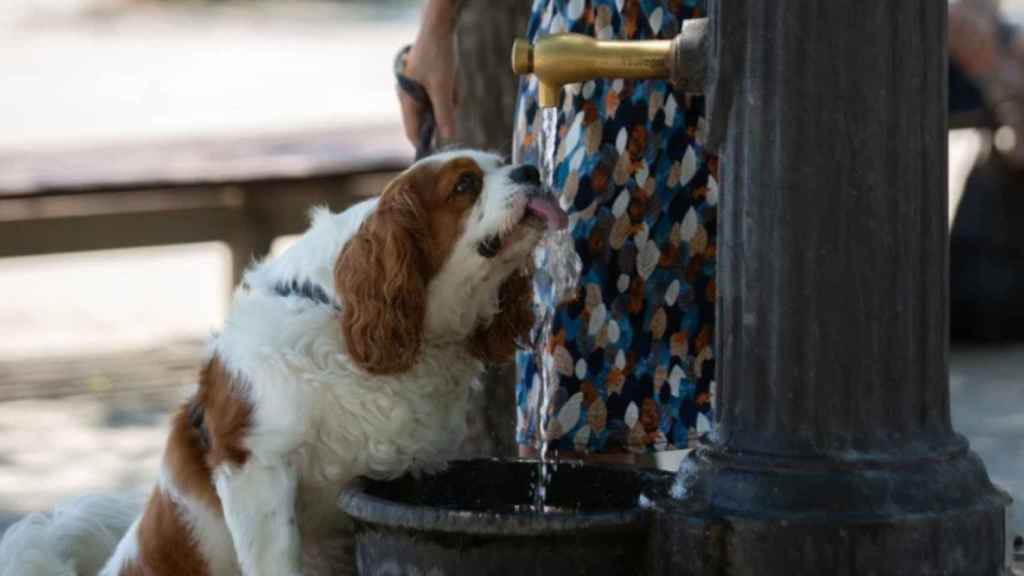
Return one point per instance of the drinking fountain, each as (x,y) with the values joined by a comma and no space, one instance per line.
(834,450)
(561,59)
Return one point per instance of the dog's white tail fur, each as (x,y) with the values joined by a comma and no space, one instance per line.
(76,539)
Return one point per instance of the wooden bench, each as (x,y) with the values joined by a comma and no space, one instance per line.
(244,192)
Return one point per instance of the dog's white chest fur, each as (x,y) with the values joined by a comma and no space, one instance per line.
(332,421)
(382,427)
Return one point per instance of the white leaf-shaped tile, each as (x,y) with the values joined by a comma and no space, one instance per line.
(675,377)
(573,136)
(632,415)
(641,176)
(703,424)
(619,234)
(670,110)
(648,259)
(672,293)
(597,319)
(623,283)
(689,166)
(689,226)
(569,415)
(613,331)
(588,88)
(581,368)
(700,137)
(620,140)
(621,204)
(655,20)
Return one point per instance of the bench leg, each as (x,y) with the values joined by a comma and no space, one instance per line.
(249,244)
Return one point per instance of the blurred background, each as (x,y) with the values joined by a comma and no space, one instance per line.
(148,149)
(180,139)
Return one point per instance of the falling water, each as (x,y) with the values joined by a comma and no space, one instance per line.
(557,255)
(685,479)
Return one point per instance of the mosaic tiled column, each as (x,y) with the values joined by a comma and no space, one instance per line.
(835,453)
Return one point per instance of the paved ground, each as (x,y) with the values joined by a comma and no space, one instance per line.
(53,449)
(81,72)
(988,408)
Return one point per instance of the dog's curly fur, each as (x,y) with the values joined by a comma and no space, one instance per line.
(380,276)
(496,342)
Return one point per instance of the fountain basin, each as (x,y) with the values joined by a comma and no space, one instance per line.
(476,517)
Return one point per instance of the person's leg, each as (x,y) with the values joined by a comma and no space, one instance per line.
(484,113)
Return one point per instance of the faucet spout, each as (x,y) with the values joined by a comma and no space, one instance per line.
(561,59)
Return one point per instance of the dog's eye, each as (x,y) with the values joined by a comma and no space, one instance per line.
(468,185)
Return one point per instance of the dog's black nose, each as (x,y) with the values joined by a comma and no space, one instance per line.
(525,174)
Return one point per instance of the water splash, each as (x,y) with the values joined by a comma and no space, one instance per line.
(685,479)
(556,255)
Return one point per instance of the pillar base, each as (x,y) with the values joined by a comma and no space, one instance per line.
(750,515)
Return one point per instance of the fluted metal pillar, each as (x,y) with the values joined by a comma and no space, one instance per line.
(835,453)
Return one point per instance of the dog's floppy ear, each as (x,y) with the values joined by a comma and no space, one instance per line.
(380,278)
(495,343)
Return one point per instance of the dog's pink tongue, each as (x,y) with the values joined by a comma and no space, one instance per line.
(548,209)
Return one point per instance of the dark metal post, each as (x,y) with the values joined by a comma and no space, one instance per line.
(835,452)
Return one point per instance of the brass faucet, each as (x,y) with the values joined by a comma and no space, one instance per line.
(561,59)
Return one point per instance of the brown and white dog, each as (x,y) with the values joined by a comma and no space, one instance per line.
(350,354)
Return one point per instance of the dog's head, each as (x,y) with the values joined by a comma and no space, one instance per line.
(444,258)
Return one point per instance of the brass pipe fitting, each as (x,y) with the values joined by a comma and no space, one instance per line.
(561,59)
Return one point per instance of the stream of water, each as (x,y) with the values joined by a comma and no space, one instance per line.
(557,254)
